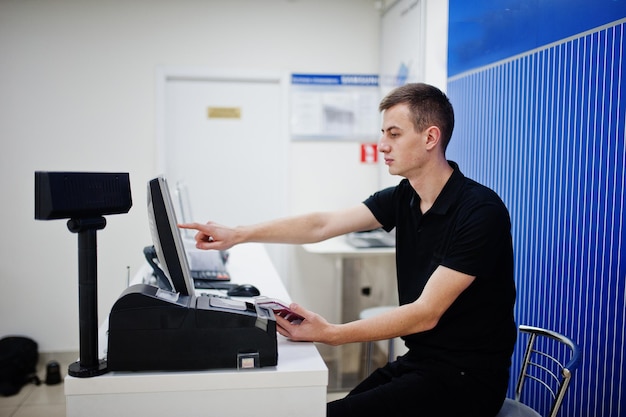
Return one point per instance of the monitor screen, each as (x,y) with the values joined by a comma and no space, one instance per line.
(166,237)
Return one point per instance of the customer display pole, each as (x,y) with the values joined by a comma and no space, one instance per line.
(88,364)
(84,198)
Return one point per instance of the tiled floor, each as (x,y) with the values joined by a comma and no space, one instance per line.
(43,400)
(49,400)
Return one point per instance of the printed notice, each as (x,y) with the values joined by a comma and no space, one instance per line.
(334,107)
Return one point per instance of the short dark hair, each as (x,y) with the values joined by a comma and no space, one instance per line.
(428,106)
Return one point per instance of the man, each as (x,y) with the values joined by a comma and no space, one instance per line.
(454,268)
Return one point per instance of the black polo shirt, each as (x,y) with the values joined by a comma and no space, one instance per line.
(467,229)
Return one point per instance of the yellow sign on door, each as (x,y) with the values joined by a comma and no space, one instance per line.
(224,113)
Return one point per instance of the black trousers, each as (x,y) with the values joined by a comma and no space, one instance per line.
(424,388)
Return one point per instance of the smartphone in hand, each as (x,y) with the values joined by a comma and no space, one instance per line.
(280,308)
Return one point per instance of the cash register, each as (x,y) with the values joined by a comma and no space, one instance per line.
(153,328)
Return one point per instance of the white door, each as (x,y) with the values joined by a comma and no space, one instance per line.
(224,137)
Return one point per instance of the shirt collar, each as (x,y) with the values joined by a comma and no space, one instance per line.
(449,192)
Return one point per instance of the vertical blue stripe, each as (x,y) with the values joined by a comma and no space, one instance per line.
(546,131)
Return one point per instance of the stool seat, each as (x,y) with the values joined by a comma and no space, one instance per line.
(372,312)
(512,408)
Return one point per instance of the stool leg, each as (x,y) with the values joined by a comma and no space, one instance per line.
(390,352)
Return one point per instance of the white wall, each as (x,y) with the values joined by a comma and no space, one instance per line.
(77,92)
(436,46)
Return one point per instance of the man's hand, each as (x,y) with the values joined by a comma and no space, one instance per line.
(314,328)
(212,235)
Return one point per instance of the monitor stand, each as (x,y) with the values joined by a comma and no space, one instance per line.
(88,364)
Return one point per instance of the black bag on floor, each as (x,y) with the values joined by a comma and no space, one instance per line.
(18,362)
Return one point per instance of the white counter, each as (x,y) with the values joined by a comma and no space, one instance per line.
(296,386)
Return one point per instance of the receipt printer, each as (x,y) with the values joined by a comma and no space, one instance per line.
(153,329)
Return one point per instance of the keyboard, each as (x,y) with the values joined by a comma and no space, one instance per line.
(372,239)
(201,284)
(211,275)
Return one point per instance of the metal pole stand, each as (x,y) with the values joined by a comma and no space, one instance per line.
(88,364)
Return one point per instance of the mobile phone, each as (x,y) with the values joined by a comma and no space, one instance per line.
(280,308)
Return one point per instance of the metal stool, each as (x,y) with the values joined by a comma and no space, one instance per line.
(372,312)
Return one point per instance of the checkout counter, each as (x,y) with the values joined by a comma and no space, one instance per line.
(297,385)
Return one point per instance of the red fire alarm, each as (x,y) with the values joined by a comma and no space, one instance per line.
(369,153)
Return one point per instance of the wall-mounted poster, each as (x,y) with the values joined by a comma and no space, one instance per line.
(334,107)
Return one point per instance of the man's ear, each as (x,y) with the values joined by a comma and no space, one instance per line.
(433,138)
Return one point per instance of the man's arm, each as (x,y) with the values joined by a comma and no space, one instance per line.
(307,228)
(444,286)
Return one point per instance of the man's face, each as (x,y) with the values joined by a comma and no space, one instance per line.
(404,149)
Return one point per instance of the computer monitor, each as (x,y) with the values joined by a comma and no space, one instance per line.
(166,237)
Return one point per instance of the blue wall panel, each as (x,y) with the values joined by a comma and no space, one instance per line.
(490,30)
(545,130)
